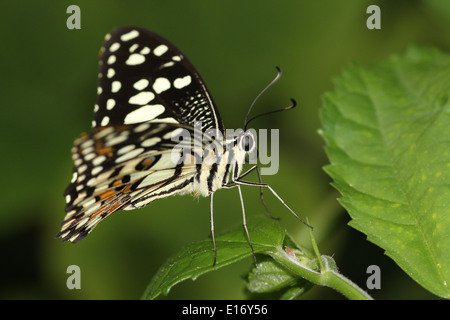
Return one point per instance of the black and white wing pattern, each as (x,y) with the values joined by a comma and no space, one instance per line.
(144,77)
(147,92)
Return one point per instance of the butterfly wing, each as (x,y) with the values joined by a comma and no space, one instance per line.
(147,90)
(123,167)
(143,77)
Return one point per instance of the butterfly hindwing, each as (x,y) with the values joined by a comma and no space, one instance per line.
(123,167)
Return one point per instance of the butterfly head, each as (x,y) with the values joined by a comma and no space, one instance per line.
(244,145)
(247,141)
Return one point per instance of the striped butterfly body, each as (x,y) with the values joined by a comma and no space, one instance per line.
(156,132)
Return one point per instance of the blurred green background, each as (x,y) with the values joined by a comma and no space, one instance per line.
(48,89)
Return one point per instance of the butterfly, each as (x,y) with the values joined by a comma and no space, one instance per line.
(156,132)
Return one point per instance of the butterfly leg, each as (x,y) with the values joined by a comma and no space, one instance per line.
(244,220)
(248,183)
(261,197)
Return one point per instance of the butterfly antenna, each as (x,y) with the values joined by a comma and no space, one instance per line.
(277,77)
(293,105)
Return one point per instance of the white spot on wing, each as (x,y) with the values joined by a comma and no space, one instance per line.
(134,47)
(161,84)
(87,144)
(104,132)
(125,149)
(111,73)
(150,142)
(88,213)
(110,104)
(174,134)
(98,160)
(130,35)
(114,47)
(142,127)
(135,59)
(180,83)
(111,59)
(115,86)
(168,64)
(141,84)
(142,98)
(105,121)
(164,120)
(87,150)
(145,50)
(82,168)
(130,155)
(96,170)
(115,140)
(145,113)
(89,156)
(160,50)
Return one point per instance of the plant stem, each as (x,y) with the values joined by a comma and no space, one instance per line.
(326,277)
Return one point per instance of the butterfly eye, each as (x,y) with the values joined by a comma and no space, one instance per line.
(247,142)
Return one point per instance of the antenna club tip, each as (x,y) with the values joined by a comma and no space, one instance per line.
(278,69)
(294,103)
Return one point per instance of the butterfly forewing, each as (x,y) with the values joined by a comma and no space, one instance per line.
(143,77)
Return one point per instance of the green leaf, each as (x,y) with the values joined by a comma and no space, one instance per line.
(197,259)
(387,133)
(268,238)
(271,277)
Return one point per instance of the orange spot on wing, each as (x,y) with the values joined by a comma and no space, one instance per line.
(108,207)
(100,149)
(147,162)
(106,194)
